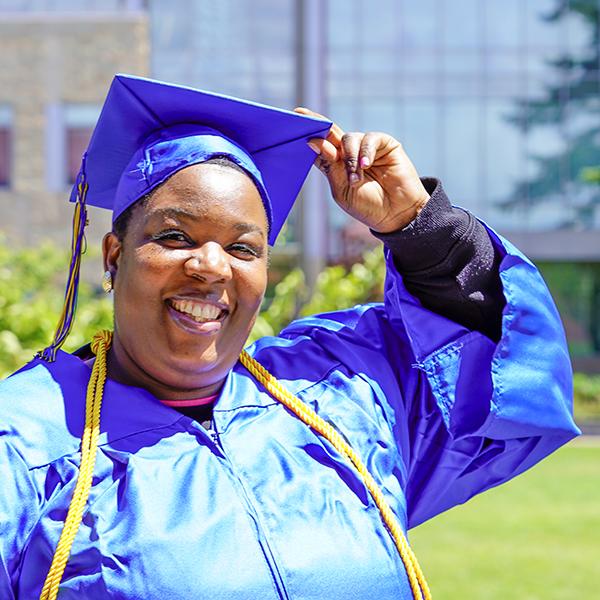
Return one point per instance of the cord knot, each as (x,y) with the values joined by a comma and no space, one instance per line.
(103,337)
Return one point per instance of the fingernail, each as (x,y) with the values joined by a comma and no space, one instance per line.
(364,162)
(354,178)
(314,148)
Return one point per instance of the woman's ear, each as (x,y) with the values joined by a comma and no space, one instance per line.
(111,252)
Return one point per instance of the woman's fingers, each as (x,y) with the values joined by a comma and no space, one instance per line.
(368,149)
(335,133)
(338,145)
(393,194)
(325,149)
(351,143)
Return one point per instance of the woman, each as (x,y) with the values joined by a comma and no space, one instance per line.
(198,475)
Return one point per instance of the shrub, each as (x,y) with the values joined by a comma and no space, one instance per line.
(336,288)
(586,391)
(31,295)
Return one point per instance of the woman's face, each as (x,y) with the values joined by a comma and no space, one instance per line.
(189,277)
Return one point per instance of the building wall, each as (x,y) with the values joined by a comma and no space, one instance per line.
(49,61)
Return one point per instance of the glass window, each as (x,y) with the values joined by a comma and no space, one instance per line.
(377,85)
(547,176)
(462,152)
(70,5)
(462,61)
(503,61)
(6,123)
(419,134)
(345,112)
(379,23)
(76,142)
(421,62)
(420,23)
(245,49)
(503,147)
(419,86)
(463,85)
(462,23)
(380,114)
(539,31)
(379,60)
(509,84)
(342,23)
(504,24)
(343,86)
(341,60)
(79,122)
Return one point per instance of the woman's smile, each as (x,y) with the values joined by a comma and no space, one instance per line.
(197,316)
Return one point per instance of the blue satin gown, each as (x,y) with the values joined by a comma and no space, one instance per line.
(262,507)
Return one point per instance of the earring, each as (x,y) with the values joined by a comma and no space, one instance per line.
(107,282)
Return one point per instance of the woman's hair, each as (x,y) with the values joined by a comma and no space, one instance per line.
(122,221)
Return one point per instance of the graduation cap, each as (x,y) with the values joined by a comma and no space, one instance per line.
(148,130)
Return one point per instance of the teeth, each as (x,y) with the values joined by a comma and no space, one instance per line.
(198,311)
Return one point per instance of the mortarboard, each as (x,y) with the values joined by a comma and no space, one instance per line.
(148,130)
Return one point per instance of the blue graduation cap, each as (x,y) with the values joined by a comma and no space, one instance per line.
(148,130)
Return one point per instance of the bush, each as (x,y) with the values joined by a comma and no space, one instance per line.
(336,288)
(31,295)
(586,397)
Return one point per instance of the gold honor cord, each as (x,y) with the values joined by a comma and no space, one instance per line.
(418,585)
(89,442)
(100,345)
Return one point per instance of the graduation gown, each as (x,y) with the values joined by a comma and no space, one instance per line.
(262,506)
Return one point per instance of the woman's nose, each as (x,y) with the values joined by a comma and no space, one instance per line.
(209,263)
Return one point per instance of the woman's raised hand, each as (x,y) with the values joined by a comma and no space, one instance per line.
(370,176)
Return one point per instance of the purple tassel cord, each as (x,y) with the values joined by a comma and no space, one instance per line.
(77,249)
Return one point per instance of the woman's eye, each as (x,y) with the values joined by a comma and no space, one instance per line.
(245,249)
(171,236)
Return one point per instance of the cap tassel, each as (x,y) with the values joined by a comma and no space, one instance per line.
(77,248)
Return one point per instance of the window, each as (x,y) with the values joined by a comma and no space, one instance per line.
(79,121)
(71,5)
(5,145)
(77,141)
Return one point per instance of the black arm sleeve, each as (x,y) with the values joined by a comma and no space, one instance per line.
(447,260)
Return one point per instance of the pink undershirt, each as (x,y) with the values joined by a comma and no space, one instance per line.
(174,403)
(192,402)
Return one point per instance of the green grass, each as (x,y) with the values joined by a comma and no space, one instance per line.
(535,538)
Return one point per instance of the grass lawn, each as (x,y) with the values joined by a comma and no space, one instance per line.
(535,538)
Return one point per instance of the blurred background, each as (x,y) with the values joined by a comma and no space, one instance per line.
(498,98)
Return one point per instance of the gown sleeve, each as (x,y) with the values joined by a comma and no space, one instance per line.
(488,410)
(448,261)
(504,398)
(18,514)
(476,387)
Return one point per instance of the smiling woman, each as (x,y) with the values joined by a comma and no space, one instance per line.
(189,274)
(164,460)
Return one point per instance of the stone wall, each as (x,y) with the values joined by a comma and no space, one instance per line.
(47,60)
